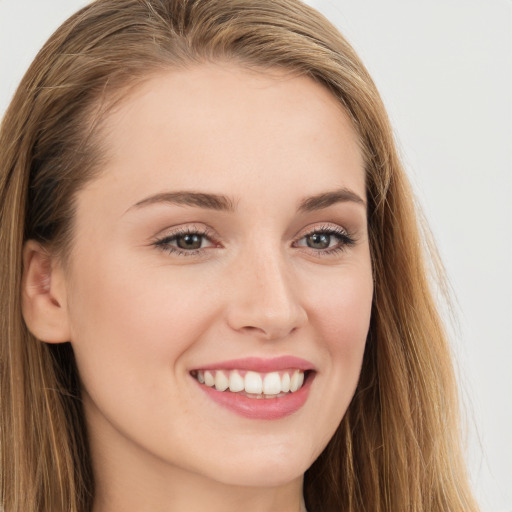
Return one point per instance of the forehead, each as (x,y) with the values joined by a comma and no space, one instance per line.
(223,126)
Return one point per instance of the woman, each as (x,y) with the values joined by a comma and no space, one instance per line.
(214,288)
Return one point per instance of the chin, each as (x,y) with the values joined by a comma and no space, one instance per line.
(263,471)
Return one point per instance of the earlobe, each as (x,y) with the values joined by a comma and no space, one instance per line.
(44,295)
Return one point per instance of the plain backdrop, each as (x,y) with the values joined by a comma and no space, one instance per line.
(444,70)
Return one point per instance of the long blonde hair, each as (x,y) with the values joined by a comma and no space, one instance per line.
(398,446)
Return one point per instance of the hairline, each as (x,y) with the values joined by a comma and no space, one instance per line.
(102,107)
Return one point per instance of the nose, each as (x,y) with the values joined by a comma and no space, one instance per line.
(265,300)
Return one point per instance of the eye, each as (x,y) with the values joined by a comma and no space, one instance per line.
(326,240)
(319,240)
(186,242)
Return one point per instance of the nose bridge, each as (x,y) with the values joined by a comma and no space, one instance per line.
(266,299)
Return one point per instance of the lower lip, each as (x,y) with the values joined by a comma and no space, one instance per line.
(261,408)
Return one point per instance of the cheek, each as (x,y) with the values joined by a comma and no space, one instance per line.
(129,332)
(343,317)
(340,311)
(123,319)
(343,311)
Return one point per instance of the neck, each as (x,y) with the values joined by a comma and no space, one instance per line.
(196,494)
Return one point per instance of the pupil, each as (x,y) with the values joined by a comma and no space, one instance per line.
(319,241)
(189,242)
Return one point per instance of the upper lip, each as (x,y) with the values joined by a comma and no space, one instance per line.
(261,365)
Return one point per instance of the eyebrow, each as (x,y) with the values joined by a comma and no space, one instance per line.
(326,199)
(198,199)
(220,202)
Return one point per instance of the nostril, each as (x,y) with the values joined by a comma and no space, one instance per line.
(268,332)
(251,328)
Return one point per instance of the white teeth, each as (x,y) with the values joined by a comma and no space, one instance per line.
(221,381)
(272,384)
(285,383)
(209,379)
(269,385)
(236,382)
(296,380)
(253,383)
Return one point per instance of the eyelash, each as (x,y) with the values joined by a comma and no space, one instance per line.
(345,240)
(163,243)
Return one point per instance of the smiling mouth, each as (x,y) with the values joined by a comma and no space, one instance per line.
(253,384)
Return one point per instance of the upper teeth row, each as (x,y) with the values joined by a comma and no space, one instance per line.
(271,383)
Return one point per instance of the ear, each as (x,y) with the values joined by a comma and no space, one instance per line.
(44,295)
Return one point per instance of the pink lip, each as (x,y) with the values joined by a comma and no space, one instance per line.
(261,365)
(264,408)
(267,409)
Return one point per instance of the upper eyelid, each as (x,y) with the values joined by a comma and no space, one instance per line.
(315,228)
(346,237)
(210,233)
(184,230)
(212,236)
(161,241)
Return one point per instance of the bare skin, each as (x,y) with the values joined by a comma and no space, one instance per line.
(272,271)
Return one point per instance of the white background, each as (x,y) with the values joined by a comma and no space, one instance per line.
(444,69)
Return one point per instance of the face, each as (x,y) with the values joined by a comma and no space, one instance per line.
(219,287)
